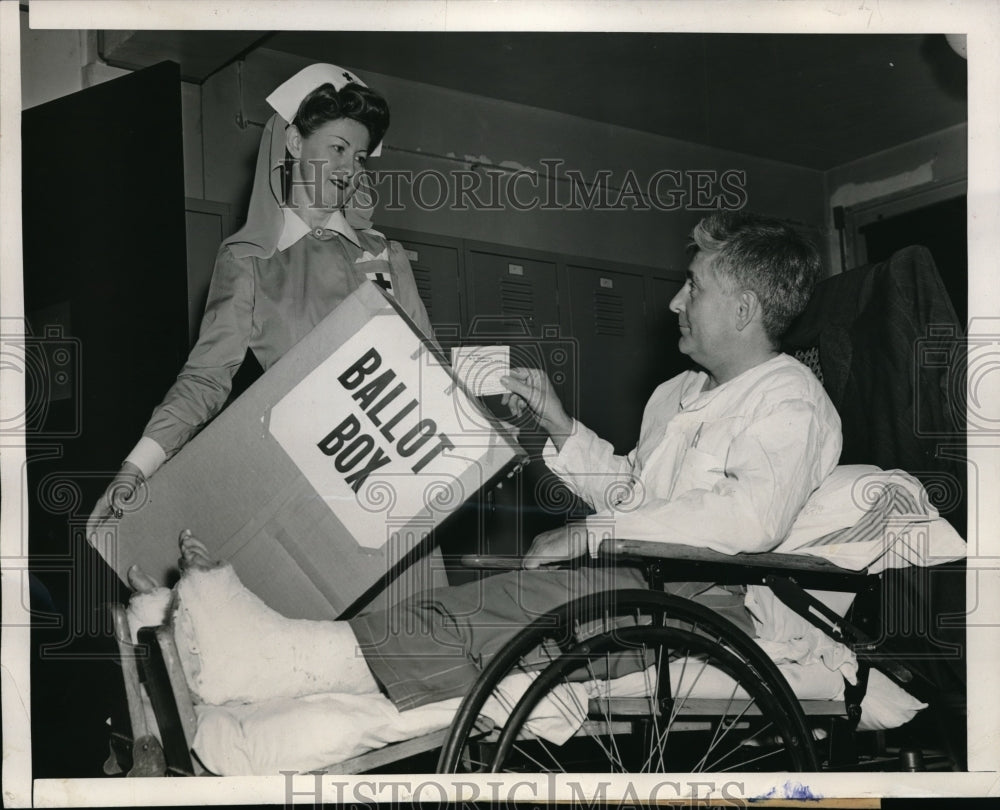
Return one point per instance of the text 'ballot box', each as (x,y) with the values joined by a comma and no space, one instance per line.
(322,482)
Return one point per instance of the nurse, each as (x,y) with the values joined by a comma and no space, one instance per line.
(307,244)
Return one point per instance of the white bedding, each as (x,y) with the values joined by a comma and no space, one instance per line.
(315,731)
(309,733)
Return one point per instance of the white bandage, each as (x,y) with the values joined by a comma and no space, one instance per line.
(147,610)
(234,648)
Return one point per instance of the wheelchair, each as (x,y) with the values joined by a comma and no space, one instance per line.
(861,333)
(704,696)
(700,694)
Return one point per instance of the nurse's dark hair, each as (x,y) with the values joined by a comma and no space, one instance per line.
(766,256)
(362,104)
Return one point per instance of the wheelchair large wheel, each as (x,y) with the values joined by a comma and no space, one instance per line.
(650,682)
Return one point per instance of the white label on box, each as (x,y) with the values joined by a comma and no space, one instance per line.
(515,269)
(382,433)
(607,283)
(412,255)
(481,367)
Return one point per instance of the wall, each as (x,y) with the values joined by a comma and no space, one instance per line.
(914,166)
(219,156)
(55,63)
(51,63)
(430,121)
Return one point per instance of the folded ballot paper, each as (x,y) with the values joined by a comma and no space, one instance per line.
(323,481)
(480,368)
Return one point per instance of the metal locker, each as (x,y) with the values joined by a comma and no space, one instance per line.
(437,273)
(608,323)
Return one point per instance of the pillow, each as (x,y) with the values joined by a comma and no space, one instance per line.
(845,497)
(886,704)
(306,733)
(863,517)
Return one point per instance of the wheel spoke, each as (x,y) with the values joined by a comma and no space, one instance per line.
(541,767)
(697,677)
(718,738)
(743,744)
(660,744)
(742,765)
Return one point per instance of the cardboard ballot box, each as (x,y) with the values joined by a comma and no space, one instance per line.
(321,483)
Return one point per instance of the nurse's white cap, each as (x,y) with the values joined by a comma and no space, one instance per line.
(287,97)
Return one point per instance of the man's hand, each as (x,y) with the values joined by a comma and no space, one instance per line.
(530,390)
(565,543)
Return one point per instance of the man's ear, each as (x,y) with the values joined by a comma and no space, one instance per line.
(747,308)
(293,141)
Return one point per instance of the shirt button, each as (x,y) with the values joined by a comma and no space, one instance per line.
(318,232)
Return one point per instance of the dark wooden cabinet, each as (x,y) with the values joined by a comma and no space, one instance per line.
(105,295)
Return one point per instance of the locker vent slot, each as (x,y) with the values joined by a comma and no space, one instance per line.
(609,313)
(517,297)
(423,278)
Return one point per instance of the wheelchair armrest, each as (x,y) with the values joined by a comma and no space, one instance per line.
(675,562)
(771,560)
(505,562)
(493,562)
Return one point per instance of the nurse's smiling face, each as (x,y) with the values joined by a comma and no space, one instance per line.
(329,160)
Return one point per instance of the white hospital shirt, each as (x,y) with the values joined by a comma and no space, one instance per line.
(727,469)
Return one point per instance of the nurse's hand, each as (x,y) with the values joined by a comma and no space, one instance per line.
(557,545)
(117,498)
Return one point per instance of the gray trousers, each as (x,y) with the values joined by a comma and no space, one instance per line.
(433,645)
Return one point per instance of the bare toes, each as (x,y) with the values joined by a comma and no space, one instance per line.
(194,554)
(140,581)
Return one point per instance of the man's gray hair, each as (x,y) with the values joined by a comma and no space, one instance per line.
(765,256)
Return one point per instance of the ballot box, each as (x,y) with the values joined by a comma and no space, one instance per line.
(323,482)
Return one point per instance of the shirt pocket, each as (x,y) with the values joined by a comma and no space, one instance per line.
(699,470)
(716,436)
(704,463)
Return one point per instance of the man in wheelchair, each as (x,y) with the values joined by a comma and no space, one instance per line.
(727,456)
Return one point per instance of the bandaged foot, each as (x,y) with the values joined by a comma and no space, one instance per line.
(234,648)
(149,604)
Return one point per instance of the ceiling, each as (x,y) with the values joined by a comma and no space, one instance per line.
(813,100)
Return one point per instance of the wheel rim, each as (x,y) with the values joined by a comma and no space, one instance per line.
(758,726)
(745,727)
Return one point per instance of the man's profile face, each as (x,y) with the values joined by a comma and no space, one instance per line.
(705,310)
